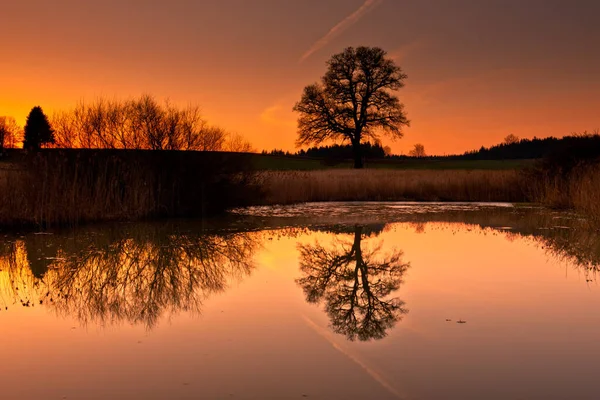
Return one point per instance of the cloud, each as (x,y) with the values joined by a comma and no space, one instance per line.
(277,115)
(403,51)
(350,20)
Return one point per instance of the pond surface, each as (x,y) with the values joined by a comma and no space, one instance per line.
(319,301)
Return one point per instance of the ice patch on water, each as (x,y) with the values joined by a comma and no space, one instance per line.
(339,209)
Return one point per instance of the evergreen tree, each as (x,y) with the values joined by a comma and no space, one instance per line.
(37,130)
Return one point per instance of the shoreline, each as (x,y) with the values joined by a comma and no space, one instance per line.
(65,188)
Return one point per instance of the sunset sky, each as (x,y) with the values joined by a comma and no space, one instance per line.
(477,69)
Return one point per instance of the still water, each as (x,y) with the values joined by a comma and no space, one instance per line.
(320,301)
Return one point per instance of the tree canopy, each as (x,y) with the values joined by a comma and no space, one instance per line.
(353,101)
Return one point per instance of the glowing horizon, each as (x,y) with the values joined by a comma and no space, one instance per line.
(476,72)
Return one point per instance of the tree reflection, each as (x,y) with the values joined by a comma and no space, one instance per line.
(133,277)
(355,284)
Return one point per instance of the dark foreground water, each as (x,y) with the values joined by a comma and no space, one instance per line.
(337,301)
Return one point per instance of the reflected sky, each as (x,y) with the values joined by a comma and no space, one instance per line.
(175,310)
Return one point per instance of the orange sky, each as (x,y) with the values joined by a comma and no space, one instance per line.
(477,71)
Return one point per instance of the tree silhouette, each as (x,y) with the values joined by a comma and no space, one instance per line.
(511,139)
(9,131)
(141,123)
(353,101)
(354,286)
(37,130)
(418,151)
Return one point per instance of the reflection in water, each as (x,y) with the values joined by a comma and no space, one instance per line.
(564,235)
(251,341)
(123,276)
(354,284)
(137,273)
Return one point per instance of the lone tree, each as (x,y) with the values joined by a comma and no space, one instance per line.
(354,101)
(418,151)
(37,130)
(511,139)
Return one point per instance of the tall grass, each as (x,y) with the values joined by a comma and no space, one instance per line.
(390,185)
(578,189)
(68,187)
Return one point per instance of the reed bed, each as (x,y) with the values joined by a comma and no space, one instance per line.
(55,188)
(579,189)
(389,185)
(66,188)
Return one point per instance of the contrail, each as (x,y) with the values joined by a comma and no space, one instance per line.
(341,27)
(370,371)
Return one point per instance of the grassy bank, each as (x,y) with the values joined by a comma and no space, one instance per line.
(390,185)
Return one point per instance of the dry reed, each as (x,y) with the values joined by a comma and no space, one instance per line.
(69,187)
(390,185)
(578,190)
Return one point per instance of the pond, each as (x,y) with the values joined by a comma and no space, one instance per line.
(323,301)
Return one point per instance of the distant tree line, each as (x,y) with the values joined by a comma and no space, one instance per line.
(512,149)
(585,145)
(341,151)
(337,151)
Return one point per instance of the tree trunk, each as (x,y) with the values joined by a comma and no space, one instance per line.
(358,160)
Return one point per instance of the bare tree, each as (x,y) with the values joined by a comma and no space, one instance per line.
(354,101)
(418,151)
(141,123)
(9,133)
(235,142)
(511,139)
